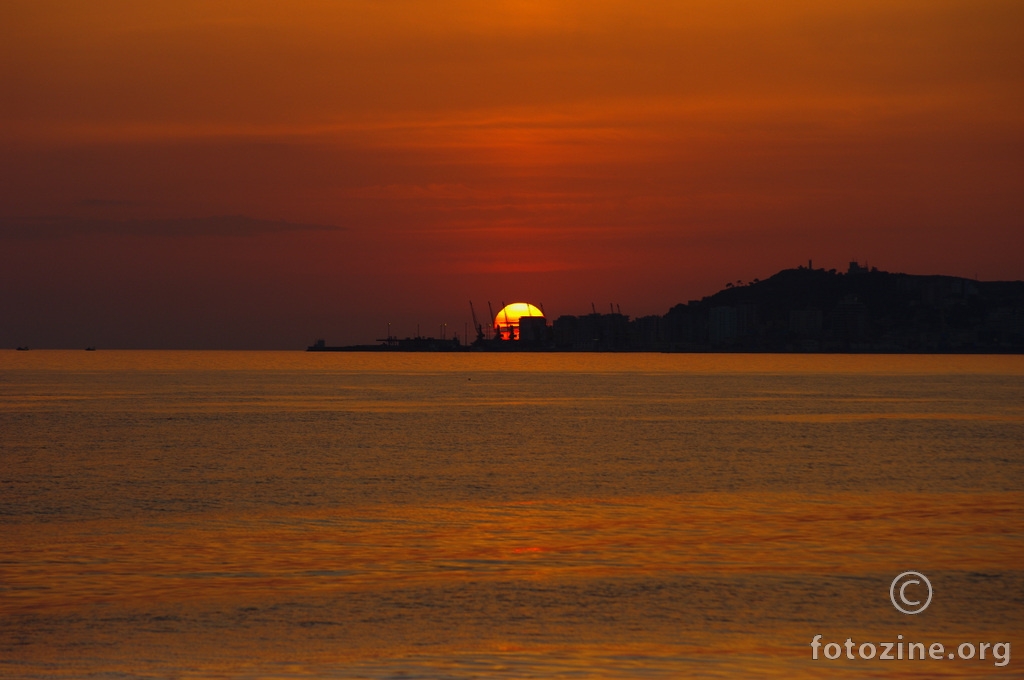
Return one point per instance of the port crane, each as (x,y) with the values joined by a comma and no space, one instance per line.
(476,324)
(494,320)
(508,326)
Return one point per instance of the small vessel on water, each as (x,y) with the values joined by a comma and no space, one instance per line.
(22,348)
(90,349)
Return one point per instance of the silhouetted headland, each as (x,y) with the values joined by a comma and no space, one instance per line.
(796,310)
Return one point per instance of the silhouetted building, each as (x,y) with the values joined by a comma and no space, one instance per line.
(722,326)
(593,332)
(648,332)
(850,319)
(805,323)
(533,330)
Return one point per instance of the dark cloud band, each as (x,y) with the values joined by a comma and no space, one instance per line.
(224,225)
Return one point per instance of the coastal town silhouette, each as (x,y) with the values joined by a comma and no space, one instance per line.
(796,310)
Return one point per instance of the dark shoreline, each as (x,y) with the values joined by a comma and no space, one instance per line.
(802,311)
(541,350)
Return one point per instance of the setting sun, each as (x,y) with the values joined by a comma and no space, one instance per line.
(507,320)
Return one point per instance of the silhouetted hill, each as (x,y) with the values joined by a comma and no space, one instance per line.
(808,309)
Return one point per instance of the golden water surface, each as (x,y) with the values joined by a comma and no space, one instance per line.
(297,515)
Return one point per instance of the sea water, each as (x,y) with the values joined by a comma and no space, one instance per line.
(308,515)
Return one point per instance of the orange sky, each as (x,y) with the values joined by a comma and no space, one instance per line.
(388,161)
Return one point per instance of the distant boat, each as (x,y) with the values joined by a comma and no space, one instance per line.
(22,349)
(90,349)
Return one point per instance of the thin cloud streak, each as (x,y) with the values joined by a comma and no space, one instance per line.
(224,225)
